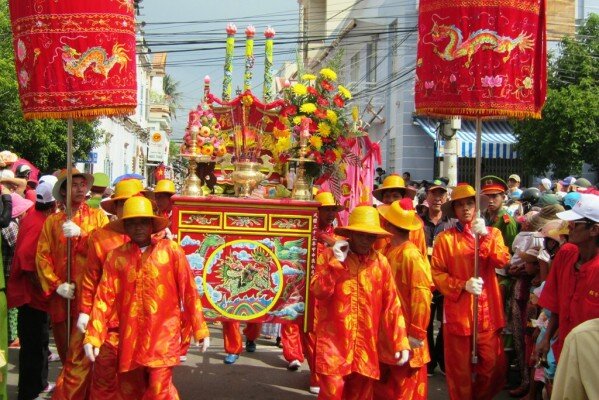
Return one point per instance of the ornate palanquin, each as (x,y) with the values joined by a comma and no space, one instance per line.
(251,258)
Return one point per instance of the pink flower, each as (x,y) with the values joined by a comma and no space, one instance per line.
(492,81)
(429,85)
(452,78)
(24,78)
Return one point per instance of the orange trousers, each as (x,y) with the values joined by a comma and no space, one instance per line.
(401,383)
(349,387)
(490,371)
(159,384)
(59,331)
(74,378)
(300,345)
(232,336)
(107,382)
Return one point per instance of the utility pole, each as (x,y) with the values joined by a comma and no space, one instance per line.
(449,167)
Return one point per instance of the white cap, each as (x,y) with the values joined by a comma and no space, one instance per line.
(44,192)
(51,179)
(546,183)
(586,207)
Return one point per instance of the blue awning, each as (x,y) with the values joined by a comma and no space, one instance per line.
(497,138)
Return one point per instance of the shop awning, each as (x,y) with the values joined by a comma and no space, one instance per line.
(497,141)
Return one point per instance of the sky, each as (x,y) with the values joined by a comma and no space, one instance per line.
(192,32)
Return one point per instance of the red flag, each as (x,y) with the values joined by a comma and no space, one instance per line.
(481,59)
(75,59)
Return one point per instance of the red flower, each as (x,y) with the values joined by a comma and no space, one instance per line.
(330,157)
(289,110)
(283,158)
(312,90)
(317,156)
(313,126)
(338,101)
(326,85)
(320,113)
(322,102)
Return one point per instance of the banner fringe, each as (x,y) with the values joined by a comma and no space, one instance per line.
(475,113)
(84,114)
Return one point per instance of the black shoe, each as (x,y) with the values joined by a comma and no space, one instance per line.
(250,346)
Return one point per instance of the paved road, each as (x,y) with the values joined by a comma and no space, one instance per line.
(256,376)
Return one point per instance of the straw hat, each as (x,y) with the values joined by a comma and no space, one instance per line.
(547,213)
(553,229)
(363,219)
(392,181)
(463,191)
(122,191)
(62,177)
(400,218)
(138,207)
(165,186)
(326,199)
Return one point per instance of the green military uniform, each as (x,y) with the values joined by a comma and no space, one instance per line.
(506,224)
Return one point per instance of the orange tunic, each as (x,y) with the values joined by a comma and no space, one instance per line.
(416,236)
(100,243)
(360,322)
(413,281)
(453,264)
(51,256)
(150,293)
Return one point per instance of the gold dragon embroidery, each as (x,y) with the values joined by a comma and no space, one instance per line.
(95,58)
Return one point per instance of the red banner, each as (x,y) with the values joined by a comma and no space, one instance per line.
(75,59)
(481,58)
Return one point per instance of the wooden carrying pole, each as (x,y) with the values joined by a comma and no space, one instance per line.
(69,212)
(479,128)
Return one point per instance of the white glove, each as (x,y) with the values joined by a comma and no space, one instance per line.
(402,357)
(474,286)
(66,290)
(478,227)
(205,344)
(340,249)
(71,229)
(82,322)
(415,343)
(91,352)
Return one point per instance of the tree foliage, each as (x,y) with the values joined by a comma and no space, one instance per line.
(568,133)
(43,142)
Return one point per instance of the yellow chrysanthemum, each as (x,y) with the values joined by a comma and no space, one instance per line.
(299,89)
(308,77)
(338,152)
(308,108)
(355,113)
(324,129)
(297,120)
(344,92)
(316,142)
(332,116)
(283,145)
(329,74)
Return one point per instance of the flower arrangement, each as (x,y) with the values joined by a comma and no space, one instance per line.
(319,100)
(204,127)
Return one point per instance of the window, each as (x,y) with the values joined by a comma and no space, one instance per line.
(354,68)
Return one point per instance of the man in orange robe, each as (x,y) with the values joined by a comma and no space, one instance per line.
(394,189)
(413,281)
(105,382)
(452,271)
(296,342)
(360,322)
(51,261)
(233,341)
(148,285)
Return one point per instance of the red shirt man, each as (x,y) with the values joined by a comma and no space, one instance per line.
(571,291)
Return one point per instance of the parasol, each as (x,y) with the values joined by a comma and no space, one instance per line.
(481,61)
(74,60)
